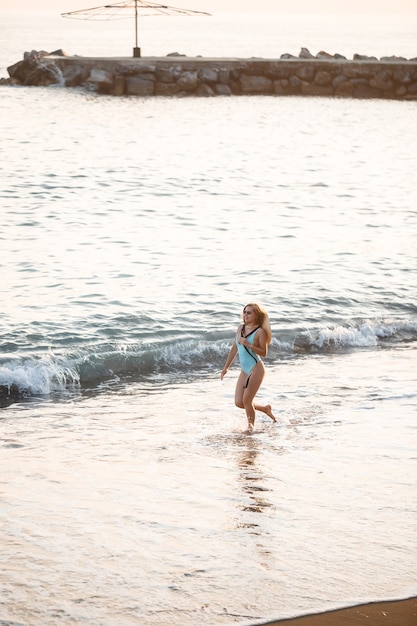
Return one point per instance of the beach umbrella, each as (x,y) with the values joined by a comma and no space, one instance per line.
(132,8)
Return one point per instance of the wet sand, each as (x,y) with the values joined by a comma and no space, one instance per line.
(393,613)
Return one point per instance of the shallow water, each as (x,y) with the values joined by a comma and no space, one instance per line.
(134,230)
(158,508)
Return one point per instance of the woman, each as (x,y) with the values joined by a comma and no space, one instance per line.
(251,343)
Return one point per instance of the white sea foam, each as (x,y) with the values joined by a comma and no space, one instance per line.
(38,376)
(364,335)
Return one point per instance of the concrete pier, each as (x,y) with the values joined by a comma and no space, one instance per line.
(181,76)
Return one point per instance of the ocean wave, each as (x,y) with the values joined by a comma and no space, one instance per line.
(342,337)
(91,366)
(366,334)
(37,376)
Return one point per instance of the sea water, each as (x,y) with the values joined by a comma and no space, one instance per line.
(133,232)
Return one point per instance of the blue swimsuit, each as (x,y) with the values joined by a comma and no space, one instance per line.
(248,359)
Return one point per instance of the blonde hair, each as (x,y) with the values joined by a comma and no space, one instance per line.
(262,319)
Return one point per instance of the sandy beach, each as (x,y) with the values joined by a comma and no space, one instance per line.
(393,613)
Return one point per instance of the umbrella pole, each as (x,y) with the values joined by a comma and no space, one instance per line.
(136,50)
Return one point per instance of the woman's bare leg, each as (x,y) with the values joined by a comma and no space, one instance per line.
(249,393)
(267,409)
(240,389)
(255,381)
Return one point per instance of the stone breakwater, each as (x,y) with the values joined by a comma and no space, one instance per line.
(176,75)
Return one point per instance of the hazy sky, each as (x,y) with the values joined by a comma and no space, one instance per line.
(375,7)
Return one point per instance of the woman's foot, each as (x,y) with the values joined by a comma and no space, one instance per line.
(268,412)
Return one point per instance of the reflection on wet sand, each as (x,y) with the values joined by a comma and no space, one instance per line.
(251,478)
(255,504)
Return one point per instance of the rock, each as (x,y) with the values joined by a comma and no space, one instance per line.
(235,73)
(260,68)
(145,68)
(362,89)
(277,70)
(363,57)
(222,89)
(204,90)
(342,87)
(207,75)
(168,75)
(306,72)
(382,80)
(287,55)
(58,53)
(74,75)
(188,81)
(312,89)
(281,87)
(356,72)
(256,84)
(119,85)
(166,89)
(35,53)
(101,80)
(324,55)
(43,76)
(126,70)
(176,54)
(295,84)
(305,54)
(33,68)
(323,78)
(402,76)
(339,80)
(401,91)
(223,76)
(139,86)
(14,70)
(393,58)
